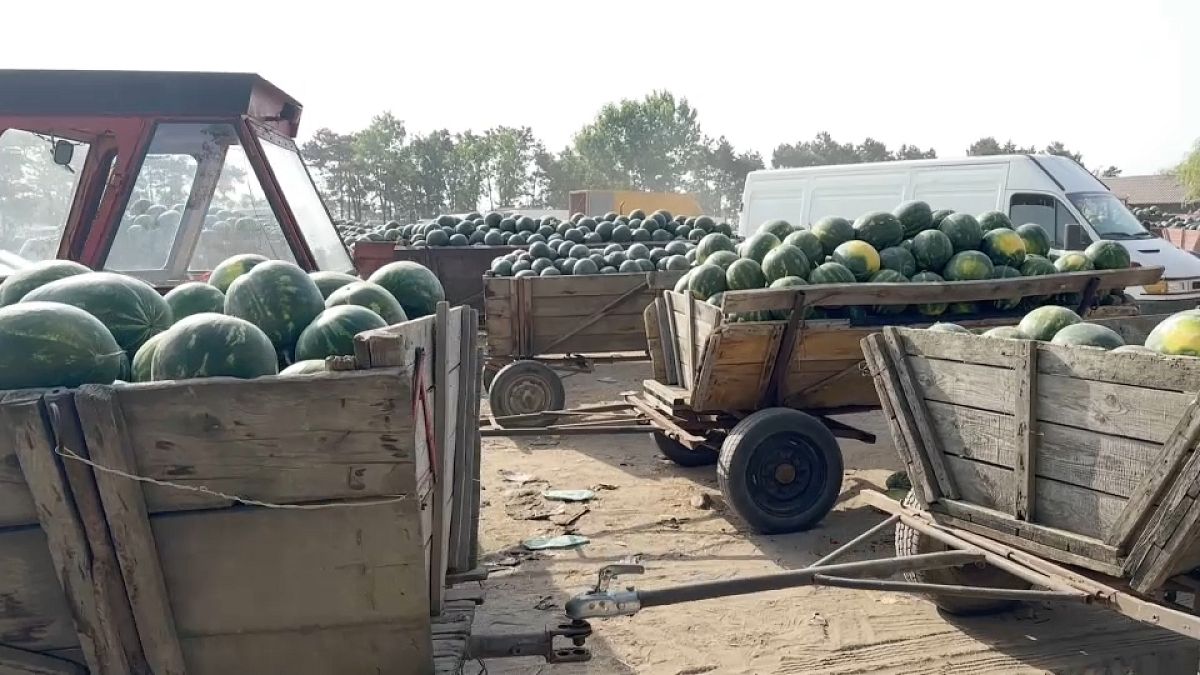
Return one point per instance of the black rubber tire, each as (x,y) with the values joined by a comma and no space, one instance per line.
(682,455)
(526,387)
(912,542)
(780,470)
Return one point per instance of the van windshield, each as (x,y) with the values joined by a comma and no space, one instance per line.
(1108,216)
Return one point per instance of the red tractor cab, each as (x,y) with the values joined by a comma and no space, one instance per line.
(156,175)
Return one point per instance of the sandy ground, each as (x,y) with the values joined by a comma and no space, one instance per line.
(645,507)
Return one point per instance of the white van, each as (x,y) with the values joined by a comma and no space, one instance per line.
(1055,192)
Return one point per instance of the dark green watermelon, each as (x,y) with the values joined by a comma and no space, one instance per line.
(880,229)
(1004,247)
(194,297)
(899,259)
(831,273)
(279,298)
(886,276)
(375,298)
(938,216)
(807,242)
(832,232)
(1073,261)
(712,243)
(329,282)
(859,257)
(16,285)
(140,367)
(743,275)
(1006,272)
(780,228)
(706,280)
(932,309)
(1036,265)
(130,308)
(417,289)
(1044,322)
(758,245)
(214,345)
(231,268)
(785,260)
(332,332)
(963,230)
(1088,335)
(932,249)
(1037,240)
(914,216)
(993,220)
(788,282)
(968,266)
(722,259)
(1107,255)
(48,344)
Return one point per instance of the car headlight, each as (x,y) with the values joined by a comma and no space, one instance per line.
(1165,287)
(1156,288)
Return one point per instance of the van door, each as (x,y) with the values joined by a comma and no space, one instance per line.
(1049,212)
(853,194)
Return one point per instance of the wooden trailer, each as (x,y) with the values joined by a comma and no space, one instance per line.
(537,325)
(313,524)
(459,268)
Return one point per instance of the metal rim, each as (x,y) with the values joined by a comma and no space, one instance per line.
(528,393)
(785,473)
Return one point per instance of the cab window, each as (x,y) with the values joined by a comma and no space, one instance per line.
(35,197)
(1047,211)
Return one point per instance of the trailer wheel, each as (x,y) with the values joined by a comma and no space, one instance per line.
(526,387)
(780,470)
(683,455)
(912,542)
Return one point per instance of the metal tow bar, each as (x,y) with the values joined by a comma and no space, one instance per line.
(511,645)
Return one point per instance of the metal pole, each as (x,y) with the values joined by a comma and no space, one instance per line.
(949,589)
(855,541)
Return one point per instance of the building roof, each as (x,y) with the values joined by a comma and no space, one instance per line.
(1152,189)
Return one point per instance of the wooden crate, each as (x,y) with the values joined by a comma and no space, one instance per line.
(725,365)
(597,314)
(333,557)
(1075,454)
(459,268)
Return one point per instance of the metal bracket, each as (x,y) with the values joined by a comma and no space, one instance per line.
(514,645)
(609,573)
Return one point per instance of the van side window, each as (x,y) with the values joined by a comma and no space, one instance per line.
(1044,210)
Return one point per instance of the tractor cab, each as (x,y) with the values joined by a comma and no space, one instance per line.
(156,175)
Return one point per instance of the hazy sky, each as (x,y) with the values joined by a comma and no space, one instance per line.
(1117,81)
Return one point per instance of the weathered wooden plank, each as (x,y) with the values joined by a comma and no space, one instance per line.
(1157,479)
(955,382)
(850,386)
(467,426)
(16,503)
(445,403)
(654,343)
(711,389)
(20,662)
(1024,469)
(104,428)
(1170,532)
(1149,371)
(948,346)
(34,613)
(928,442)
(822,295)
(582,286)
(1110,408)
(1065,507)
(899,419)
(558,307)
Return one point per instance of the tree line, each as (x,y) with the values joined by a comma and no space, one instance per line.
(652,144)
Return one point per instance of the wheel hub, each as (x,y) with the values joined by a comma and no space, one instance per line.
(786,473)
(529,395)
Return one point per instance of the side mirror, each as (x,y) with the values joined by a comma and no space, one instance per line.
(64,152)
(1074,237)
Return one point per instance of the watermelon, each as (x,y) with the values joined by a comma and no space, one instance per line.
(1107,255)
(329,282)
(278,298)
(309,367)
(831,273)
(1004,247)
(963,308)
(716,299)
(914,216)
(1006,272)
(886,276)
(194,297)
(681,286)
(1088,335)
(832,232)
(880,229)
(788,282)
(932,249)
(1037,240)
(785,260)
(49,344)
(1004,332)
(938,216)
(705,281)
(144,358)
(780,228)
(1044,322)
(1177,335)
(1133,349)
(417,289)
(758,245)
(859,257)
(1073,261)
(214,345)
(20,282)
(934,309)
(130,308)
(807,242)
(227,270)
(946,327)
(963,230)
(710,244)
(332,332)
(372,296)
(743,275)
(1036,266)
(899,259)
(994,220)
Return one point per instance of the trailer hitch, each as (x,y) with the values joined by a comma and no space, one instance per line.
(512,645)
(599,602)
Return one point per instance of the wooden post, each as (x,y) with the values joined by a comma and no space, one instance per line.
(1024,473)
(125,508)
(468,428)
(690,380)
(444,469)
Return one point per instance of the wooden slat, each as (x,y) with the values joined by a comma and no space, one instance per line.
(1115,409)
(666,342)
(468,426)
(108,443)
(547,330)
(928,442)
(1170,532)
(654,342)
(823,295)
(895,408)
(954,382)
(1155,481)
(1024,471)
(712,389)
(19,662)
(1148,371)
(577,307)
(948,346)
(34,613)
(444,405)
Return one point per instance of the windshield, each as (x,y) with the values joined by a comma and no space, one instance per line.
(1108,216)
(35,197)
(297,186)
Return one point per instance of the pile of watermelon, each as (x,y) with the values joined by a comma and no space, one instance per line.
(513,229)
(1177,335)
(912,243)
(63,325)
(568,258)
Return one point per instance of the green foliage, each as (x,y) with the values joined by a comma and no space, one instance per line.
(823,150)
(1188,173)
